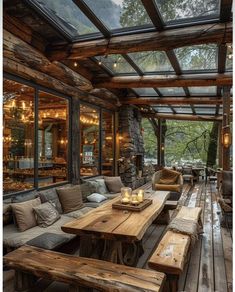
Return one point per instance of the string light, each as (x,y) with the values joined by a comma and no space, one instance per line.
(75,64)
(100,62)
(115,64)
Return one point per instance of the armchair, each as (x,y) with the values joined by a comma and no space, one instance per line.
(168,180)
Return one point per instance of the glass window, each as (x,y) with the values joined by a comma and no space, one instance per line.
(183,110)
(145,91)
(178,10)
(199,57)
(204,90)
(18,137)
(116,63)
(107,143)
(116,14)
(172,91)
(162,109)
(152,61)
(67,15)
(203,110)
(89,127)
(53,126)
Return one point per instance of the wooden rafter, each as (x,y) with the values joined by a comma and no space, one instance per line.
(174,61)
(154,14)
(205,79)
(222,58)
(225,10)
(163,40)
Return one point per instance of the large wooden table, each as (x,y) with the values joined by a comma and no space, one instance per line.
(115,235)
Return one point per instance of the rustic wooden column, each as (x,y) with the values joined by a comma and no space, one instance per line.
(226,122)
(220,152)
(159,142)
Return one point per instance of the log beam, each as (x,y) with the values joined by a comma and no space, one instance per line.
(181,117)
(164,40)
(173,100)
(209,79)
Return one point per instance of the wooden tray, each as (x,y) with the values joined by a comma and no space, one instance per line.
(131,207)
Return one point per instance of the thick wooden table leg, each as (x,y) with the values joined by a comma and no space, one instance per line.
(24,281)
(112,251)
(85,246)
(173,283)
(132,253)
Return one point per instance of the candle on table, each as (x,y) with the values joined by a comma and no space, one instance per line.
(140,195)
(134,200)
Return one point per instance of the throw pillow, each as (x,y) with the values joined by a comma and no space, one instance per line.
(51,196)
(48,240)
(24,214)
(101,186)
(114,184)
(25,197)
(7,214)
(70,198)
(96,198)
(46,214)
(87,188)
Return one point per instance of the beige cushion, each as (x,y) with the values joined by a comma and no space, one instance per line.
(114,184)
(172,188)
(168,174)
(46,214)
(167,181)
(70,198)
(24,214)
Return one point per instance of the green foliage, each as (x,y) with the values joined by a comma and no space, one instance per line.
(150,139)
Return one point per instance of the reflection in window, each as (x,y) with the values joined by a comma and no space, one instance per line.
(187,9)
(18,137)
(53,128)
(152,61)
(205,90)
(107,144)
(116,63)
(119,13)
(198,57)
(89,127)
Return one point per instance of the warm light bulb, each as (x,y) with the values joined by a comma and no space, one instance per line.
(100,63)
(230,56)
(23,105)
(115,64)
(75,64)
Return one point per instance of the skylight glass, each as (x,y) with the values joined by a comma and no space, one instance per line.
(162,109)
(145,91)
(202,110)
(172,91)
(116,63)
(178,10)
(151,61)
(183,110)
(204,90)
(68,16)
(199,57)
(116,14)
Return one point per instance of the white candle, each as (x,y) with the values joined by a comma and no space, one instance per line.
(140,196)
(134,200)
(125,200)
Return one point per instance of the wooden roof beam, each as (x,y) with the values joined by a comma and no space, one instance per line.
(225,10)
(172,100)
(205,79)
(160,40)
(181,117)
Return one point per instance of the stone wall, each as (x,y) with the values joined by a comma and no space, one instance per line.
(131,145)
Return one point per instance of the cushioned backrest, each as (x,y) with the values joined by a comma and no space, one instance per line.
(227,183)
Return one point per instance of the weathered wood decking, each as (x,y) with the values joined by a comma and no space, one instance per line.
(210,265)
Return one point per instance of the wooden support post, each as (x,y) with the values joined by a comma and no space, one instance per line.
(159,142)
(75,141)
(226,122)
(220,151)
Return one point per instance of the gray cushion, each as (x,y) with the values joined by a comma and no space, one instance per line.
(101,186)
(70,198)
(79,213)
(7,214)
(24,197)
(51,196)
(94,204)
(46,214)
(87,188)
(48,240)
(114,184)
(95,197)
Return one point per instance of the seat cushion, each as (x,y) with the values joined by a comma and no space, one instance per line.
(79,213)
(70,198)
(172,188)
(168,174)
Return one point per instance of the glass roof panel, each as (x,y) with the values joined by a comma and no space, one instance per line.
(152,61)
(116,14)
(68,16)
(183,110)
(202,110)
(204,90)
(116,63)
(229,58)
(173,11)
(199,57)
(172,91)
(162,109)
(145,91)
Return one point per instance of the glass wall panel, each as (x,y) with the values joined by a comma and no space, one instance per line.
(53,127)
(107,143)
(89,127)
(18,137)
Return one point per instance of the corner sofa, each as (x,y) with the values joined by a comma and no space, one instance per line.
(52,236)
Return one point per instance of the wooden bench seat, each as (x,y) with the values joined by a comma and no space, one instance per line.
(77,271)
(172,252)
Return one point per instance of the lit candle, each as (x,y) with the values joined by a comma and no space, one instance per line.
(125,200)
(134,200)
(140,195)
(126,195)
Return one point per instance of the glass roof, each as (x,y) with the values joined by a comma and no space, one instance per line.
(187,9)
(145,91)
(151,61)
(117,14)
(204,110)
(67,16)
(172,91)
(183,109)
(199,57)
(204,90)
(162,109)
(116,64)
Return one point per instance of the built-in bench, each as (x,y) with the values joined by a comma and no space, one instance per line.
(31,262)
(172,252)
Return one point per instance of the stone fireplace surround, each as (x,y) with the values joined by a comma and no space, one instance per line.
(131,161)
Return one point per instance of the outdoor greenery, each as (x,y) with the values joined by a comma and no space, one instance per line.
(185,141)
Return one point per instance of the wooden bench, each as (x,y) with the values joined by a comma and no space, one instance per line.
(78,272)
(172,252)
